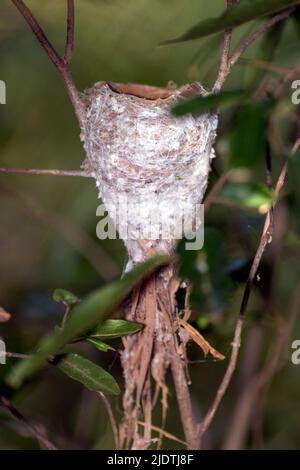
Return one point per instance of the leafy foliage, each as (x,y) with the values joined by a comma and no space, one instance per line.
(248,142)
(211,102)
(65,296)
(250,195)
(244,11)
(85,316)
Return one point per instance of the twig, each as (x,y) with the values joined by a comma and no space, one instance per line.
(259,384)
(223,74)
(225,53)
(111,418)
(189,423)
(42,171)
(267,66)
(256,34)
(62,65)
(70,33)
(266,238)
(44,442)
(164,433)
(13,355)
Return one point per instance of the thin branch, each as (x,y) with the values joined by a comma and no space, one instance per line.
(266,66)
(70,33)
(225,54)
(189,423)
(39,34)
(13,355)
(266,238)
(237,337)
(44,442)
(258,385)
(256,34)
(165,433)
(111,418)
(62,67)
(246,43)
(40,171)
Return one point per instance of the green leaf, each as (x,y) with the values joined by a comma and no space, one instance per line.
(62,295)
(99,344)
(244,11)
(248,141)
(202,104)
(85,316)
(115,328)
(250,194)
(89,374)
(214,246)
(206,269)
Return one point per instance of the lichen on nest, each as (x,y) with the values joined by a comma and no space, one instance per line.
(150,167)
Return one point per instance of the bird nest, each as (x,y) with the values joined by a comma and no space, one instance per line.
(150,167)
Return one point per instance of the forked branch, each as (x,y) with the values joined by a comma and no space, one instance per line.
(227,62)
(62,64)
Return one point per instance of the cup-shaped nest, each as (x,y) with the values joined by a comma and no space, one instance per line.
(151,168)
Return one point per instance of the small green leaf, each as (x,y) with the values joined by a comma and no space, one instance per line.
(250,194)
(85,316)
(217,260)
(89,374)
(242,12)
(62,295)
(206,269)
(202,104)
(248,141)
(115,328)
(99,344)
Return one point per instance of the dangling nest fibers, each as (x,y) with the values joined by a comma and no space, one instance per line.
(142,159)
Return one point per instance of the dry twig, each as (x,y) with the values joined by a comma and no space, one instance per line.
(42,171)
(112,418)
(227,62)
(266,238)
(62,64)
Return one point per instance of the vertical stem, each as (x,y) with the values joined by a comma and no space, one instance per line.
(189,424)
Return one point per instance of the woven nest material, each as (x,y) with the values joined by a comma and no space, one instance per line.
(151,170)
(149,166)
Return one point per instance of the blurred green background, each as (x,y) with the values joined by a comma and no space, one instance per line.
(47,224)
